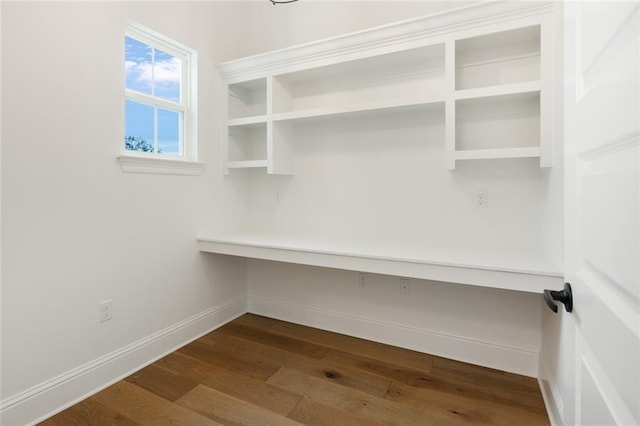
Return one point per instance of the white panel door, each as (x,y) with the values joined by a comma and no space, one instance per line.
(602,217)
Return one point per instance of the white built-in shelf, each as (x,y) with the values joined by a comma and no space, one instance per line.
(500,90)
(487,154)
(488,65)
(363,109)
(511,269)
(247,164)
(247,121)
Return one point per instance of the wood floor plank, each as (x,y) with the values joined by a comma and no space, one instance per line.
(239,386)
(513,387)
(391,354)
(487,390)
(146,408)
(471,410)
(162,382)
(248,364)
(90,412)
(377,367)
(229,410)
(265,337)
(368,407)
(314,413)
(49,422)
(490,385)
(321,369)
(176,363)
(213,337)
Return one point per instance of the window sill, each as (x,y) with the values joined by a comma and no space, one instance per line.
(163,166)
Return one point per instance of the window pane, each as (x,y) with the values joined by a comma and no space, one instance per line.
(169,132)
(167,73)
(139,127)
(137,65)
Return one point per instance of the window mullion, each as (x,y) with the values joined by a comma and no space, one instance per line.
(181,134)
(153,71)
(152,100)
(155,129)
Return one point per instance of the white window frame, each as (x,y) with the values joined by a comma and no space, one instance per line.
(153,162)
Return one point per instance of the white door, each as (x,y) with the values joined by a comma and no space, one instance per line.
(602,217)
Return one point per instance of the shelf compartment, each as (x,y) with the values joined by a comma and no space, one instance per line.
(498,122)
(248,99)
(498,58)
(247,143)
(399,77)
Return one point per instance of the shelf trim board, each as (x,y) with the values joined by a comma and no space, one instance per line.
(483,276)
(355,109)
(450,105)
(488,154)
(247,121)
(246,164)
(500,90)
(546,96)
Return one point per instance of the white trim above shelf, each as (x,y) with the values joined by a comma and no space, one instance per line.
(164,166)
(488,154)
(526,271)
(387,38)
(501,90)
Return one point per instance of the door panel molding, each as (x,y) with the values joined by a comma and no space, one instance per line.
(593,65)
(595,388)
(608,185)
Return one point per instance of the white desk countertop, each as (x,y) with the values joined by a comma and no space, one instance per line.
(507,269)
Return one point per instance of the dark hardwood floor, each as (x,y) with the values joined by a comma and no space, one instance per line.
(260,371)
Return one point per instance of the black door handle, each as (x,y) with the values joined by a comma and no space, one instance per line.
(565,296)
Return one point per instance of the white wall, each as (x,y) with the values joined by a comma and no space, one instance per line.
(76,229)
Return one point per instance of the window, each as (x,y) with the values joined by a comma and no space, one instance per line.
(160,96)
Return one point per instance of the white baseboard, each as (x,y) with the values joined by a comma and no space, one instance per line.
(511,359)
(552,397)
(58,393)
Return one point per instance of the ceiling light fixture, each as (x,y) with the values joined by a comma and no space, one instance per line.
(282,1)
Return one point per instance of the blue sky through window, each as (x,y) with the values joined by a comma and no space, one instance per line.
(153,72)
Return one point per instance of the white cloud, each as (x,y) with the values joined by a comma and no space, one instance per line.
(129,66)
(165,72)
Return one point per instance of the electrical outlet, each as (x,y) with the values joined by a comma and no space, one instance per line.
(404,285)
(105,311)
(482,200)
(363,279)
